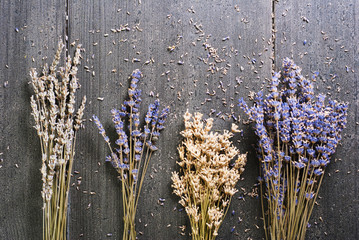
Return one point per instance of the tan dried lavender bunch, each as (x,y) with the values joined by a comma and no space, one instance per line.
(208,178)
(56,123)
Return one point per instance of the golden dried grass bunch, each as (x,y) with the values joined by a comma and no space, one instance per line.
(208,175)
(56,123)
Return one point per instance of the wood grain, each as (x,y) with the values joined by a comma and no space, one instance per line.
(180,86)
(241,33)
(29,31)
(319,36)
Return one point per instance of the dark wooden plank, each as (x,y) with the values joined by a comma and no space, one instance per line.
(163,22)
(96,215)
(29,31)
(331,36)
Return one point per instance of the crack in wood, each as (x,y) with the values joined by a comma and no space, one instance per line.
(273,35)
(67,14)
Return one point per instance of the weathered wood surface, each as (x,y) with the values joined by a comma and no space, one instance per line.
(29,31)
(330,31)
(164,24)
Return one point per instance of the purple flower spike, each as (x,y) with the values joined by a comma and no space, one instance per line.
(297,132)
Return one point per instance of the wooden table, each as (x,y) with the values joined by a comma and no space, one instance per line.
(320,35)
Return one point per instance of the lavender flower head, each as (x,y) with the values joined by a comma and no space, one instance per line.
(298,132)
(134,147)
(140,138)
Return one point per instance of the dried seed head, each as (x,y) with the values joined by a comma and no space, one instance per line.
(208,175)
(53,105)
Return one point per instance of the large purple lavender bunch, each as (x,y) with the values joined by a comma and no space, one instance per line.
(298,132)
(134,148)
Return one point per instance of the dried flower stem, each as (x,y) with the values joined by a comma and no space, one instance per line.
(56,125)
(207,182)
(297,135)
(133,146)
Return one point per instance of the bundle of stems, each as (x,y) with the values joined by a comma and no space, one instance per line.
(56,123)
(134,150)
(208,175)
(297,135)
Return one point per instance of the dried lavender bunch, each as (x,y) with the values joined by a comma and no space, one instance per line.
(134,148)
(53,108)
(208,178)
(298,133)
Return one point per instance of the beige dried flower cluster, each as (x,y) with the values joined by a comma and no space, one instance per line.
(206,182)
(56,123)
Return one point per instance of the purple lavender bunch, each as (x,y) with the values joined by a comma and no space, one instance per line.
(134,148)
(298,132)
